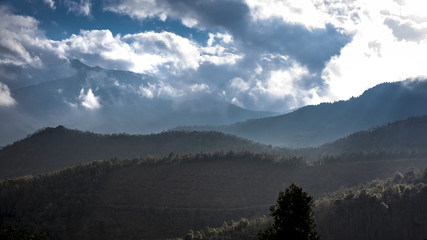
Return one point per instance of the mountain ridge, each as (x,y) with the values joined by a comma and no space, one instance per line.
(318,124)
(51,149)
(55,148)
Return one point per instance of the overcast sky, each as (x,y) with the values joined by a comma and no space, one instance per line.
(263,55)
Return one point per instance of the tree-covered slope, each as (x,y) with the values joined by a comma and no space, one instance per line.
(410,134)
(395,208)
(156,198)
(401,139)
(56,148)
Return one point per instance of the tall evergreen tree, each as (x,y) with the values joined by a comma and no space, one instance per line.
(293,217)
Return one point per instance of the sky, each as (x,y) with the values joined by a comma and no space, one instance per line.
(269,55)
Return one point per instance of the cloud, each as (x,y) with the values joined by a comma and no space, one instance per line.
(238,84)
(17,32)
(264,55)
(82,7)
(89,100)
(175,51)
(146,52)
(222,37)
(200,14)
(405,30)
(286,87)
(236,45)
(160,89)
(6,99)
(26,55)
(50,3)
(302,12)
(389,44)
(200,87)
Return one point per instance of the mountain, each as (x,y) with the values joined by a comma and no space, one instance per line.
(404,135)
(326,122)
(400,139)
(55,148)
(112,101)
(159,198)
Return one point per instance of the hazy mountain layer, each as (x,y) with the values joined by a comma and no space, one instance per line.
(316,125)
(404,138)
(110,101)
(55,148)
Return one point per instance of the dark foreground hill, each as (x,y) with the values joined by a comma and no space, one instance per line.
(159,198)
(326,122)
(55,148)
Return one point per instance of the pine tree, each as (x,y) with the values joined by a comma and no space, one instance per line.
(293,217)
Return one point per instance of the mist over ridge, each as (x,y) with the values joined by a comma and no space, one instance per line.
(318,124)
(112,101)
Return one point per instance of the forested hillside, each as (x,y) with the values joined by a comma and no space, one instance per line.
(395,208)
(55,148)
(157,198)
(401,139)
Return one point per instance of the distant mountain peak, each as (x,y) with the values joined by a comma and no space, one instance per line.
(77,64)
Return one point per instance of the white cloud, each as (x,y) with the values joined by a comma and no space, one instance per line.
(179,52)
(220,50)
(138,8)
(50,3)
(238,84)
(222,37)
(6,99)
(303,12)
(277,86)
(282,83)
(220,55)
(147,91)
(389,44)
(142,9)
(200,87)
(236,102)
(79,8)
(18,32)
(89,100)
(145,52)
(160,89)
